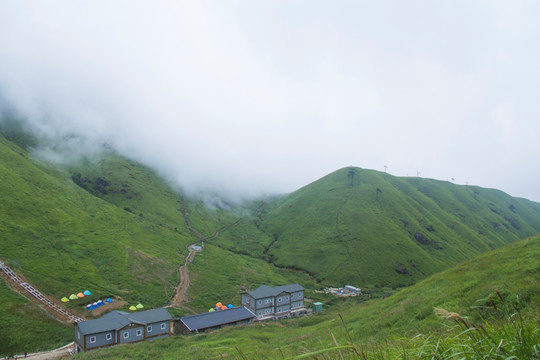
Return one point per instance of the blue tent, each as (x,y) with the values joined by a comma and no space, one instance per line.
(87,292)
(109,300)
(230,306)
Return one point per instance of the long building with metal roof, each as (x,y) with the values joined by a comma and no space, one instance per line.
(213,320)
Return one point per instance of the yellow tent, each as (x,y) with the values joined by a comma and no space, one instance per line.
(132,308)
(73,297)
(139,306)
(65,299)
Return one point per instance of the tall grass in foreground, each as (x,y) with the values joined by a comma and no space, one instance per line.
(502,329)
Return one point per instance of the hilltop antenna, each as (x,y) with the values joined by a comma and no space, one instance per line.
(385,167)
(417,173)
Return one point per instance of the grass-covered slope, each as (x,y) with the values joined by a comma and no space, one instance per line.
(111,226)
(389,328)
(63,239)
(17,316)
(372,229)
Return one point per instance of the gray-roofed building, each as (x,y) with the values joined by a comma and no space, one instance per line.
(118,327)
(213,320)
(275,302)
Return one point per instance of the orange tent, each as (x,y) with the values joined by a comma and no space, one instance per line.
(80,295)
(223,307)
(219,305)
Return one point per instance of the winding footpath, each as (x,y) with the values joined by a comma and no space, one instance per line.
(179,298)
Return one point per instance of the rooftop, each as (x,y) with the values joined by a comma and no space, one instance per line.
(116,320)
(216,318)
(267,291)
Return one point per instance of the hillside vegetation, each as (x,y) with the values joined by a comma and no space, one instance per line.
(372,229)
(404,325)
(113,226)
(109,225)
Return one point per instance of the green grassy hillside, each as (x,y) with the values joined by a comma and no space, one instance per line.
(402,326)
(370,229)
(111,226)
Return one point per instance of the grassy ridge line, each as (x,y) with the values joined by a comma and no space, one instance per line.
(374,229)
(513,270)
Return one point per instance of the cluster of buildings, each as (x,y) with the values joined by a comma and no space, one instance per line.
(118,327)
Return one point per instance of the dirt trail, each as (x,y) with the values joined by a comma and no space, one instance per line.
(179,298)
(62,352)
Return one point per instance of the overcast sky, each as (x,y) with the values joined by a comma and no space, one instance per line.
(251,97)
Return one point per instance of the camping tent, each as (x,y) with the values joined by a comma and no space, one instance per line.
(109,300)
(80,295)
(140,306)
(87,292)
(211,310)
(219,305)
(132,308)
(65,299)
(73,297)
(230,306)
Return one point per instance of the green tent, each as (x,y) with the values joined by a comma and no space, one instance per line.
(65,299)
(140,306)
(73,297)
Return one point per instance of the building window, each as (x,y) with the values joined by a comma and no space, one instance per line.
(139,332)
(259,302)
(79,335)
(163,326)
(279,300)
(92,339)
(108,336)
(149,328)
(126,335)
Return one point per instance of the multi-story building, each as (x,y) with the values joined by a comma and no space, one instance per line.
(268,302)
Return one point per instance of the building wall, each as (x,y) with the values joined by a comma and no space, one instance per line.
(297,295)
(134,334)
(282,299)
(264,302)
(100,339)
(248,301)
(283,308)
(264,312)
(297,304)
(154,329)
(79,339)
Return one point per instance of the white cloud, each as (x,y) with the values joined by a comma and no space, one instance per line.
(250,97)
